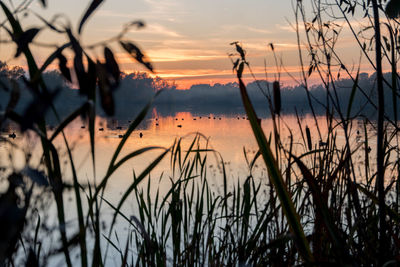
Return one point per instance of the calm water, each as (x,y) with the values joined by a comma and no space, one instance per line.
(229,134)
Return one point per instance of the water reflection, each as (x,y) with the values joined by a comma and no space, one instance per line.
(228,133)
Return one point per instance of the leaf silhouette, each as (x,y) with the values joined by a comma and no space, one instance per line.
(78,64)
(50,24)
(24,39)
(240,69)
(107,101)
(80,73)
(37,109)
(138,23)
(12,216)
(135,52)
(93,5)
(91,79)
(309,143)
(310,70)
(239,49)
(112,65)
(62,65)
(75,44)
(393,9)
(235,64)
(277,97)
(48,61)
(353,92)
(272,46)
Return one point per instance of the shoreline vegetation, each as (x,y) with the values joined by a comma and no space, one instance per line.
(135,89)
(320,203)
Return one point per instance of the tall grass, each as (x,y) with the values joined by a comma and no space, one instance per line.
(323,201)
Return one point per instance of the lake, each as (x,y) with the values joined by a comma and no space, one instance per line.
(229,134)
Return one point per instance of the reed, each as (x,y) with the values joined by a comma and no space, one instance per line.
(321,202)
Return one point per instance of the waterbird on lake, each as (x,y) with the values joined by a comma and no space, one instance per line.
(13,135)
(119,128)
(219,118)
(200,117)
(156,119)
(182,119)
(157,124)
(243,117)
(101,129)
(120,136)
(83,127)
(179,126)
(140,135)
(214,118)
(194,119)
(176,119)
(321,143)
(209,117)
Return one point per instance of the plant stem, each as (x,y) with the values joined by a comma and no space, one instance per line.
(380,148)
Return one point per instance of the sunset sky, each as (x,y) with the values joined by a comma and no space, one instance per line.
(187,40)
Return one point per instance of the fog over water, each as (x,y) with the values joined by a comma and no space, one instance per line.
(137,89)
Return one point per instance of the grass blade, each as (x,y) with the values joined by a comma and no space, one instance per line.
(92,7)
(276,178)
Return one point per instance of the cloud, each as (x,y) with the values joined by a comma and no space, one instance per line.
(174,55)
(112,13)
(158,29)
(163,10)
(240,29)
(287,28)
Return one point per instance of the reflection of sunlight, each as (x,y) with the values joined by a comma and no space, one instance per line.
(229,135)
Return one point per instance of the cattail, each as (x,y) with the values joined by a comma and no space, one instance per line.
(308,138)
(277,97)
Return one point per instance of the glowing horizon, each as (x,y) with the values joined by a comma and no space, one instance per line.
(188,41)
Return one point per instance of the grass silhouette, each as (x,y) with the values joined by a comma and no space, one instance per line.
(318,204)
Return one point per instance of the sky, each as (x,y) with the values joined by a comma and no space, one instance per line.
(188,41)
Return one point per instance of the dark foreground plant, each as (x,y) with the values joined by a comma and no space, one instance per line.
(324,200)
(96,82)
